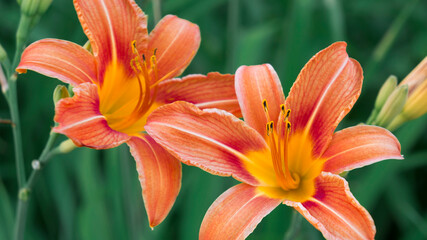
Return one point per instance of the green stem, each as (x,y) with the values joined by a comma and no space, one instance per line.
(16,129)
(294,227)
(25,191)
(157,10)
(21,37)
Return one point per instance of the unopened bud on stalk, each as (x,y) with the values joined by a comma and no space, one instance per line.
(44,5)
(32,8)
(3,54)
(66,146)
(388,87)
(416,105)
(393,106)
(29,7)
(59,93)
(88,46)
(3,81)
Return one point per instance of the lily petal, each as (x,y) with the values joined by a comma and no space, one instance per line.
(236,213)
(324,92)
(212,91)
(112,28)
(79,118)
(253,85)
(159,174)
(177,41)
(335,212)
(359,146)
(60,59)
(212,140)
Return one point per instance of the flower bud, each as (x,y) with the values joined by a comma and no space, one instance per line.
(44,5)
(416,105)
(389,85)
(30,7)
(3,81)
(88,46)
(59,93)
(3,54)
(393,106)
(66,146)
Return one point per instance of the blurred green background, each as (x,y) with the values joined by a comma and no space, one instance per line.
(90,194)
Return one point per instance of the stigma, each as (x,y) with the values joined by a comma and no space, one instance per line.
(278,141)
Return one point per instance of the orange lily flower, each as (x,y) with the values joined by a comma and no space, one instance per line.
(286,151)
(128,75)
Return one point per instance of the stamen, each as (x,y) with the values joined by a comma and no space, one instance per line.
(279,148)
(264,103)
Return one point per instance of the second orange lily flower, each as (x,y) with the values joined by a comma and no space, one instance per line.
(128,75)
(286,151)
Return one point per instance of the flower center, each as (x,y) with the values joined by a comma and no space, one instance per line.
(279,142)
(127,96)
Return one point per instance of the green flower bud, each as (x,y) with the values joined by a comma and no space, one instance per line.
(30,7)
(66,146)
(59,93)
(388,87)
(3,81)
(3,54)
(88,46)
(393,106)
(44,5)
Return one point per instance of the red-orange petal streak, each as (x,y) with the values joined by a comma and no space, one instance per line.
(213,140)
(159,174)
(359,146)
(324,92)
(60,59)
(79,118)
(111,26)
(236,213)
(335,212)
(253,85)
(177,41)
(214,90)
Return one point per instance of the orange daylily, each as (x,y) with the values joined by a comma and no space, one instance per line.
(285,152)
(128,75)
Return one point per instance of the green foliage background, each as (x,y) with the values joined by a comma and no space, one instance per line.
(90,194)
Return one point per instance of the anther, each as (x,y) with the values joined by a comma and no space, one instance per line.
(155,51)
(133,44)
(143,57)
(282,107)
(264,103)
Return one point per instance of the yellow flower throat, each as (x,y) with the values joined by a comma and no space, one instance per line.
(127,97)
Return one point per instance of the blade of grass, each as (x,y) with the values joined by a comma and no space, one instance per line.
(336,19)
(388,39)
(60,186)
(6,213)
(93,212)
(401,199)
(297,41)
(232,34)
(114,184)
